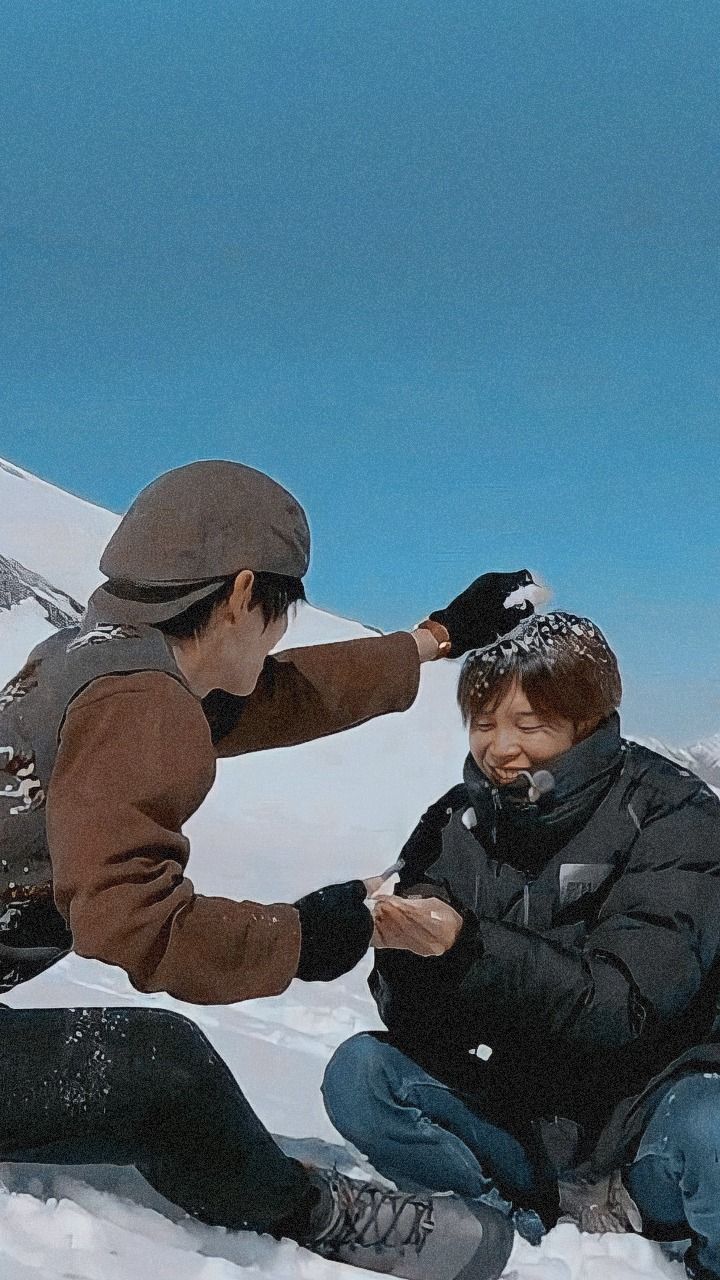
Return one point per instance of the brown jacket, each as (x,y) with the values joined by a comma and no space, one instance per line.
(136,759)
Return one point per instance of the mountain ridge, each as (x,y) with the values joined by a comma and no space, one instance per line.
(701,758)
(18,583)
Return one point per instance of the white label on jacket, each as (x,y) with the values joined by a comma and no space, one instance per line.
(577,878)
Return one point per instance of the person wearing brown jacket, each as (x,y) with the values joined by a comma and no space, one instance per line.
(112,733)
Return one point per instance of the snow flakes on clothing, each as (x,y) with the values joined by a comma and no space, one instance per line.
(100,634)
(19,686)
(26,788)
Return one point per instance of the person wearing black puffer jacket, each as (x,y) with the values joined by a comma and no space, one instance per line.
(562,1057)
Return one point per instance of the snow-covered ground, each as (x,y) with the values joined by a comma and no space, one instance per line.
(276,825)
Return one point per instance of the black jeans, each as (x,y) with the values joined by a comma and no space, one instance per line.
(144,1087)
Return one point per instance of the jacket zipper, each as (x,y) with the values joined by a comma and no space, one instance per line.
(526,888)
(496,810)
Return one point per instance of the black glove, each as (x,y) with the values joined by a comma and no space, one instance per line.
(478,616)
(335,931)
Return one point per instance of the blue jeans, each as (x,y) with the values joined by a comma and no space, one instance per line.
(417,1132)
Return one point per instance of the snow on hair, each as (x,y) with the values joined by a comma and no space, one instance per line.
(563,663)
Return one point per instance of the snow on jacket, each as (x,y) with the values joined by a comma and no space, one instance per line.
(589,960)
(104,755)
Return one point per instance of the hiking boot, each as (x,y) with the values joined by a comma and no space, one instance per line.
(419,1236)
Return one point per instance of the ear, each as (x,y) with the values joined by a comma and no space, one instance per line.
(584,728)
(239,600)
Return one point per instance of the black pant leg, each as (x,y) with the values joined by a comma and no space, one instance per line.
(143,1087)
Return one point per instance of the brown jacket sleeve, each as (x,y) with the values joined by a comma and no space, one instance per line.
(312,692)
(135,761)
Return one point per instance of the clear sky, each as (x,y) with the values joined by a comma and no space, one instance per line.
(448,270)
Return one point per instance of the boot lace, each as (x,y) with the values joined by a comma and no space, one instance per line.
(407,1219)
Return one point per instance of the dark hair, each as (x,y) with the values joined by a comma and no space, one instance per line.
(272,593)
(563,664)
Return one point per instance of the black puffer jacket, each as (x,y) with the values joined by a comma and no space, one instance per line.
(589,960)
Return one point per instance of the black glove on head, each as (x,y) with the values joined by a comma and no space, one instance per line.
(335,931)
(478,616)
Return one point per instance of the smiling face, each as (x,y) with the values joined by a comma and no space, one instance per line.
(510,736)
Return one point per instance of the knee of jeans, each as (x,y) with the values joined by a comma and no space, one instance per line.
(176,1042)
(688,1116)
(355,1082)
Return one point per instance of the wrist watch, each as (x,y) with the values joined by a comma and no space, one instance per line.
(440,633)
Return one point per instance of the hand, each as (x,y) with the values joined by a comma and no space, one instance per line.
(379,885)
(480,614)
(425,926)
(335,931)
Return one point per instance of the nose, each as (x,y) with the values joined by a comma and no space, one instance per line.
(504,748)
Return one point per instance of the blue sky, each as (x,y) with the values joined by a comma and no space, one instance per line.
(447,270)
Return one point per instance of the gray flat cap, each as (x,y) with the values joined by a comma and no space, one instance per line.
(191,528)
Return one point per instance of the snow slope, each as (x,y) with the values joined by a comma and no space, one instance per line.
(276,825)
(52,532)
